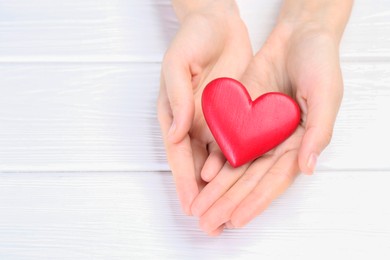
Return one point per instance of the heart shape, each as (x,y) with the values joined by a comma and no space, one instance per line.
(246,129)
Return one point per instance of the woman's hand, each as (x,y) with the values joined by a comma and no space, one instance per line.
(301,59)
(212,42)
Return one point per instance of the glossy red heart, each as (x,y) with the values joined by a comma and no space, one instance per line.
(246,129)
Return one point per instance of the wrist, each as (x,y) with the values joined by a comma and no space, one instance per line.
(327,17)
(186,8)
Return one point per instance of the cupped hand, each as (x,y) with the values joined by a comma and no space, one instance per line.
(303,62)
(209,44)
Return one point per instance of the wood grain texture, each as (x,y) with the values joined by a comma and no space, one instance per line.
(120,30)
(80,117)
(79,81)
(332,215)
(96,117)
(96,30)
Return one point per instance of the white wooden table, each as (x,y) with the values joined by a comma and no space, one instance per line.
(83,173)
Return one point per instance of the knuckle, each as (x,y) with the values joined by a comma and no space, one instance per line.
(249,178)
(182,149)
(170,57)
(229,203)
(327,135)
(176,102)
(284,176)
(163,113)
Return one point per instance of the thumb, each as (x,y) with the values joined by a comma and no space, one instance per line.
(321,107)
(177,77)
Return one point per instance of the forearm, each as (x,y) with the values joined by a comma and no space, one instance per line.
(329,15)
(183,8)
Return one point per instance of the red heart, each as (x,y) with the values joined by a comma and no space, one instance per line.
(246,129)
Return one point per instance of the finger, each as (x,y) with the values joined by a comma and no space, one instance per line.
(323,104)
(214,163)
(179,156)
(215,189)
(180,159)
(217,231)
(274,182)
(229,225)
(220,212)
(177,77)
(200,156)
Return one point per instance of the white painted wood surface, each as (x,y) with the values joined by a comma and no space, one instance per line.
(82,167)
(136,216)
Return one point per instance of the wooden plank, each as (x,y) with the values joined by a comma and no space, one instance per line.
(84,30)
(119,30)
(96,117)
(113,215)
(79,117)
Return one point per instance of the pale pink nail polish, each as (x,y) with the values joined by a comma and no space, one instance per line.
(312,162)
(172,130)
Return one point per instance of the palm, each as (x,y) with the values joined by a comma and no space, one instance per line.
(200,52)
(236,196)
(223,62)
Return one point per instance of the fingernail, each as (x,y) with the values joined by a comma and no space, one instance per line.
(229,225)
(187,211)
(172,130)
(312,162)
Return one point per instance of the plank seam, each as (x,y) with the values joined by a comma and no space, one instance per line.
(153,60)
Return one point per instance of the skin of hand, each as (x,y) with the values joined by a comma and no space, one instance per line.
(212,42)
(300,58)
